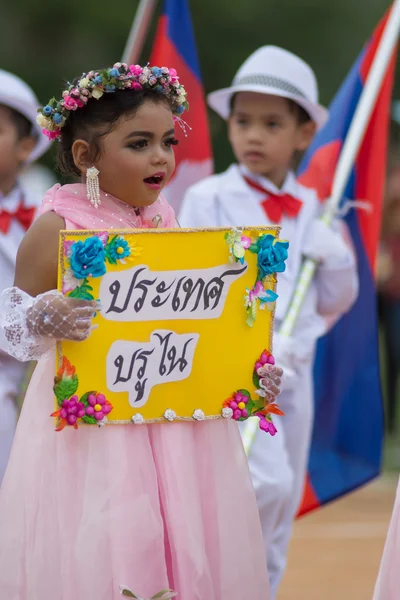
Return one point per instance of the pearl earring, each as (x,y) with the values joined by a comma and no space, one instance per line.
(92,186)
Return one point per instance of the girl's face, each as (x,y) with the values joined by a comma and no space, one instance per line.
(137,157)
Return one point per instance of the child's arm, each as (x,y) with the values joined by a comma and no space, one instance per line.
(336,276)
(33,314)
(37,259)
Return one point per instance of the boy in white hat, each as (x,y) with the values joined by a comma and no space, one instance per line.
(21,142)
(272,113)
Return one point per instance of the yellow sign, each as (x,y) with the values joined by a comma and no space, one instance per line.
(179,329)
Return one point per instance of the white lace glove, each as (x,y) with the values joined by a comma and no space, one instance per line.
(29,327)
(325,245)
(285,357)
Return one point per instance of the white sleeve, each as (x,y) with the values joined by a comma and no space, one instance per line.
(16,337)
(338,284)
(197,210)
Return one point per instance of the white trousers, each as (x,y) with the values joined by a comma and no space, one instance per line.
(278,467)
(12,375)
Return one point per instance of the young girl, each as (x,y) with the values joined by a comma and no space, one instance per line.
(149,507)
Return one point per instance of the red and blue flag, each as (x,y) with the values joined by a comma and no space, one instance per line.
(348,430)
(175,47)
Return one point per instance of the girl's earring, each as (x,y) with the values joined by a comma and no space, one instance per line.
(92,186)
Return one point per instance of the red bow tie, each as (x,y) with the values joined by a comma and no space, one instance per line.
(22,215)
(276,206)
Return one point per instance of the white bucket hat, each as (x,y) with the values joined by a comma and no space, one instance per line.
(16,94)
(275,71)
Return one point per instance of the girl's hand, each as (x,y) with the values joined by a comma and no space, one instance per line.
(56,316)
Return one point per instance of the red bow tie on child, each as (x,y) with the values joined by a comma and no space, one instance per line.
(276,206)
(22,215)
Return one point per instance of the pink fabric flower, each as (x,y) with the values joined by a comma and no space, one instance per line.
(70,103)
(245,241)
(267,426)
(238,404)
(52,135)
(98,406)
(136,85)
(136,70)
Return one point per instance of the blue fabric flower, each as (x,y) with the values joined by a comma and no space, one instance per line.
(110,88)
(117,249)
(156,71)
(47,110)
(98,79)
(114,72)
(88,258)
(179,109)
(271,257)
(57,118)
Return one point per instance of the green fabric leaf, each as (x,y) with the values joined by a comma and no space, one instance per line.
(80,292)
(254,247)
(259,405)
(65,388)
(89,420)
(256,379)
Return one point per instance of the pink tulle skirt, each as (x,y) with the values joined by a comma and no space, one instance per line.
(149,507)
(388,583)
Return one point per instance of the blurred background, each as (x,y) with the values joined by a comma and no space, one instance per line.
(336,551)
(47,43)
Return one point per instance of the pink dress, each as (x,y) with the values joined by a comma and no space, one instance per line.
(149,507)
(388,583)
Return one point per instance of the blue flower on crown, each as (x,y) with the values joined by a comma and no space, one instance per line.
(47,110)
(110,88)
(98,79)
(114,72)
(57,118)
(157,72)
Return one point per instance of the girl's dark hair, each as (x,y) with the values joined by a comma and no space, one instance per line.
(301,114)
(106,112)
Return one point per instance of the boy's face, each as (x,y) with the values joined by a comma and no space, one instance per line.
(13,151)
(265,134)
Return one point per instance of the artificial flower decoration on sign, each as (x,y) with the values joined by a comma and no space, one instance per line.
(240,406)
(271,256)
(170,321)
(91,408)
(88,259)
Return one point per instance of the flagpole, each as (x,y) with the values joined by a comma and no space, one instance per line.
(346,160)
(139,29)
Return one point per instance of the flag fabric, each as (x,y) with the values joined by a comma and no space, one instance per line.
(175,47)
(348,430)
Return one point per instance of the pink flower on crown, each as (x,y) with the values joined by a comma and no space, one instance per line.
(52,135)
(173,75)
(136,70)
(136,85)
(72,103)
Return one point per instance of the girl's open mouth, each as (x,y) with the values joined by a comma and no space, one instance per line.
(155,181)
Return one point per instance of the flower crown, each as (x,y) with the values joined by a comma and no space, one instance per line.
(94,84)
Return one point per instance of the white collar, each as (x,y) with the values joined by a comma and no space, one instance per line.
(11,201)
(289,185)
